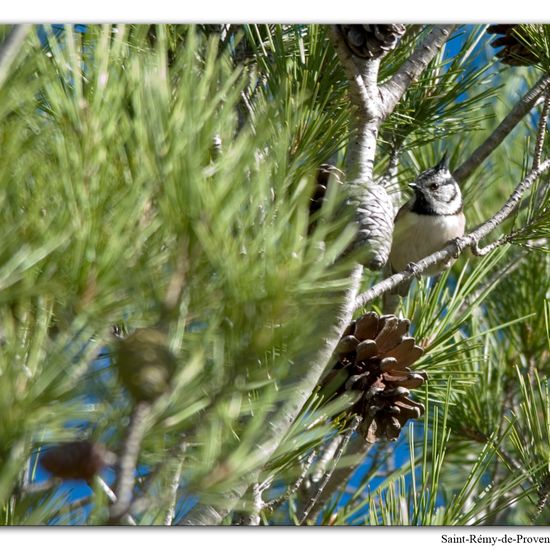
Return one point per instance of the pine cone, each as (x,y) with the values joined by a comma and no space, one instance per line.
(514,51)
(374,214)
(375,358)
(75,460)
(319,192)
(372,41)
(145,363)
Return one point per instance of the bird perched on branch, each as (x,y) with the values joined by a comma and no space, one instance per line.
(425,224)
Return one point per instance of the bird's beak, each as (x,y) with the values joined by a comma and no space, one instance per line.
(413,186)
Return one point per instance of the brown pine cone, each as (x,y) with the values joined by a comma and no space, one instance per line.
(375,359)
(321,186)
(75,460)
(372,41)
(513,52)
(374,215)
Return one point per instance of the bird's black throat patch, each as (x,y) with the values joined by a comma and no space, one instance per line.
(423,207)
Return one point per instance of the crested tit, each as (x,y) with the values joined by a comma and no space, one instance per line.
(425,224)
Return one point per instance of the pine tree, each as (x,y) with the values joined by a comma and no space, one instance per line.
(194,225)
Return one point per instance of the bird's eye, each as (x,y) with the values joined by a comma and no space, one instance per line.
(434,186)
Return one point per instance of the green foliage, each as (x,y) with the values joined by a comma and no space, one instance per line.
(448,99)
(126,203)
(536,40)
(159,178)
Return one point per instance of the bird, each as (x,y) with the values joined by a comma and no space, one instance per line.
(425,224)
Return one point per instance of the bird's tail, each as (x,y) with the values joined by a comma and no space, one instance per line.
(390,303)
(391,300)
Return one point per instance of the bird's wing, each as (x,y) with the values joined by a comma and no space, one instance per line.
(405,208)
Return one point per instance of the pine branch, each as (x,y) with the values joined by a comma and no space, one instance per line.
(328,482)
(10,48)
(173,460)
(543,122)
(394,89)
(358,448)
(324,461)
(109,493)
(128,462)
(478,250)
(253,517)
(173,489)
(514,117)
(128,519)
(292,489)
(456,247)
(543,494)
(362,76)
(373,208)
(375,103)
(278,424)
(344,442)
(34,488)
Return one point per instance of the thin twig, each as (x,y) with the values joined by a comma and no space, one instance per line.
(173,489)
(172,458)
(327,456)
(503,239)
(328,474)
(178,453)
(481,437)
(25,477)
(511,463)
(523,106)
(174,453)
(544,493)
(104,486)
(276,502)
(128,461)
(109,493)
(543,122)
(456,247)
(34,488)
(478,250)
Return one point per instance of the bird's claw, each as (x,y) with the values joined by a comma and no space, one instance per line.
(413,269)
(460,244)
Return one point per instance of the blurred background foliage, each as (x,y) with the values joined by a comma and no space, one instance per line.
(160,176)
